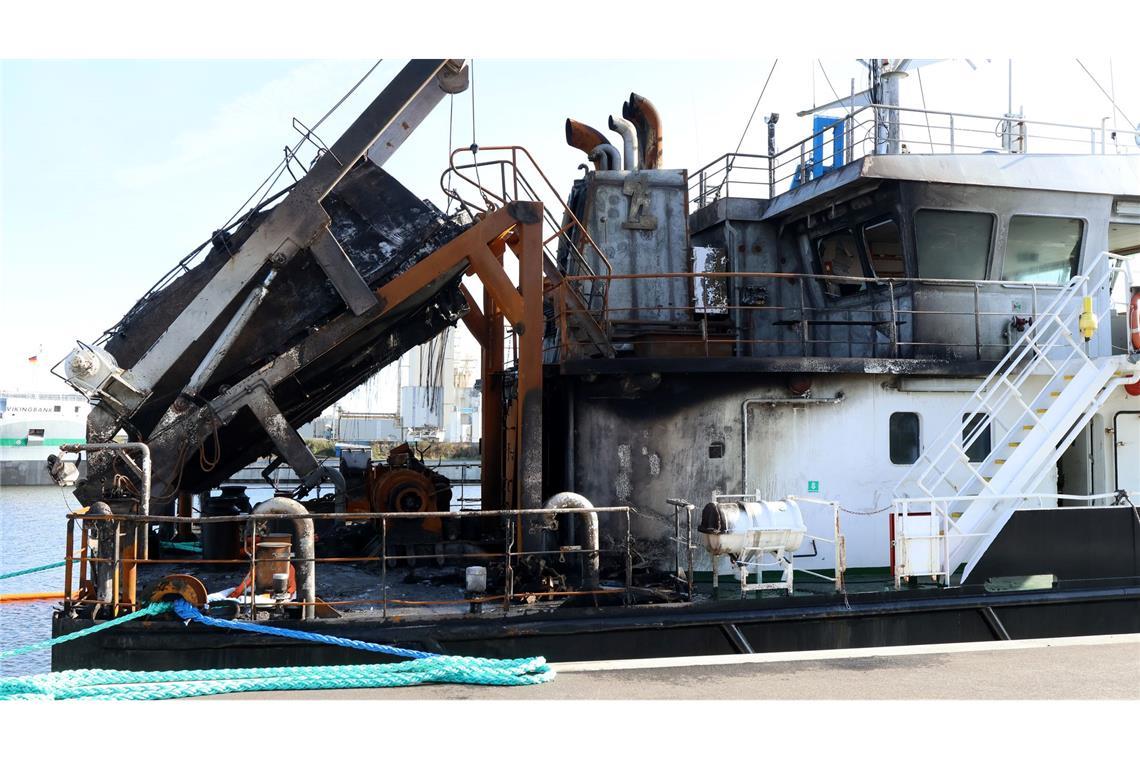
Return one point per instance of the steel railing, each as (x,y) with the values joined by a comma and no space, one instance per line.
(884,308)
(124,566)
(924,131)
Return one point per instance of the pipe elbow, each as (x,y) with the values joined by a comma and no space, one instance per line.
(571,500)
(584,137)
(305,545)
(645,118)
(606,157)
(628,133)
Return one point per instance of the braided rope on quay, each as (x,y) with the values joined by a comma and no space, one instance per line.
(424,667)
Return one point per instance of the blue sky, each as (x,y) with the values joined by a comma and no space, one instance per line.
(110,171)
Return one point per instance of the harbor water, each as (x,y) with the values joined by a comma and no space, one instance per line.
(33,532)
(33,528)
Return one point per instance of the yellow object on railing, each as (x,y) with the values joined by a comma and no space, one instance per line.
(1088,321)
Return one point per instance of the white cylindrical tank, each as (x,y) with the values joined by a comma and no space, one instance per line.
(738,527)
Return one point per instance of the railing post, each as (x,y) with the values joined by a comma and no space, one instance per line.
(628,549)
(70,555)
(894,332)
(115,569)
(951,133)
(977,322)
(384,567)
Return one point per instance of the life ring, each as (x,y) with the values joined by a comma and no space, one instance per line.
(1134,320)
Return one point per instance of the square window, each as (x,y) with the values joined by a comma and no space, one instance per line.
(1042,249)
(904,438)
(952,245)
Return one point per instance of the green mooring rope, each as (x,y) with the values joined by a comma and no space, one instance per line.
(31,570)
(151,685)
(155,608)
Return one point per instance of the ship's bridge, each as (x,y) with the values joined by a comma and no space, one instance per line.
(930,251)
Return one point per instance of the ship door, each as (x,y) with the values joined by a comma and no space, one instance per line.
(1080,470)
(1126,437)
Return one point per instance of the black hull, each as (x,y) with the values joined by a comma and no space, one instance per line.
(768,625)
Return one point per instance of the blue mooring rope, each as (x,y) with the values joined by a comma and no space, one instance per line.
(187,611)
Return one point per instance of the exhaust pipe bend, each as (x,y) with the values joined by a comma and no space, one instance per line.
(591,579)
(648,123)
(304,544)
(585,138)
(628,134)
(606,157)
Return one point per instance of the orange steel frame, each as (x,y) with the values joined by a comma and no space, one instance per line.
(481,248)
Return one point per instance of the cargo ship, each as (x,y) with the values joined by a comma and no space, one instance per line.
(876,387)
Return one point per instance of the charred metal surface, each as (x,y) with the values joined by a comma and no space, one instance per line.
(384,230)
(807,365)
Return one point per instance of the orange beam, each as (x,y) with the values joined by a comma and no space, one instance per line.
(474,319)
(447,257)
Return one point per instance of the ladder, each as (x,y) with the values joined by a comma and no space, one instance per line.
(964,504)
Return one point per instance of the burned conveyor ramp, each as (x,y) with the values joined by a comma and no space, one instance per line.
(281,318)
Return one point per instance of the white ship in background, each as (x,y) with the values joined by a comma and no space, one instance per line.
(34,426)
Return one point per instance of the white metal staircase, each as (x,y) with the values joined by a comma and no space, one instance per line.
(948,509)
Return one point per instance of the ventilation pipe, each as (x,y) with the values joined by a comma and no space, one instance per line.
(628,134)
(606,157)
(586,139)
(591,575)
(648,124)
(303,544)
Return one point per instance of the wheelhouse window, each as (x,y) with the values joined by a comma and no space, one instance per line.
(982,445)
(904,438)
(839,256)
(884,248)
(1042,249)
(953,245)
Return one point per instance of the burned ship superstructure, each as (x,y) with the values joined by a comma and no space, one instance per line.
(880,386)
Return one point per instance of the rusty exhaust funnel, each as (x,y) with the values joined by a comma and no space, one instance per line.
(648,124)
(585,138)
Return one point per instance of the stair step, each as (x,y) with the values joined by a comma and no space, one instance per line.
(1069,377)
(1028,427)
(1054,394)
(1042,411)
(999,461)
(1015,444)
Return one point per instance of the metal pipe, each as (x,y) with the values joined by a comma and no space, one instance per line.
(647,123)
(584,137)
(304,543)
(628,133)
(143,472)
(591,578)
(606,157)
(837,398)
(102,574)
(222,345)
